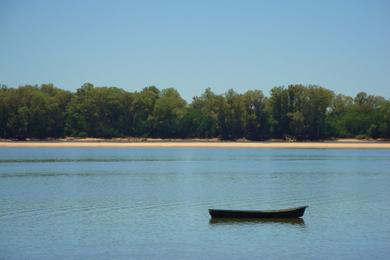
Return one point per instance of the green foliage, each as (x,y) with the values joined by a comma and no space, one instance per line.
(256,116)
(296,112)
(385,111)
(142,108)
(315,112)
(100,112)
(364,115)
(340,108)
(203,113)
(32,111)
(300,112)
(168,113)
(279,111)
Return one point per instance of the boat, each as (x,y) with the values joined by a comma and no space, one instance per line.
(282,213)
(251,221)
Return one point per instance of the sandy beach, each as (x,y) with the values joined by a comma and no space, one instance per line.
(101,143)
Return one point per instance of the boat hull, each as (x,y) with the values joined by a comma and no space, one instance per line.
(251,221)
(284,213)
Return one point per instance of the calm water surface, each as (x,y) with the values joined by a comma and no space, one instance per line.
(152,203)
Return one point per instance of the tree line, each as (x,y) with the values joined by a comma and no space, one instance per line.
(295,112)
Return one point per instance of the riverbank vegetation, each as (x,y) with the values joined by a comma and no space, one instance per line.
(295,112)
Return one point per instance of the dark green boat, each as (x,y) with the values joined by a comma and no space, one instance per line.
(251,221)
(282,213)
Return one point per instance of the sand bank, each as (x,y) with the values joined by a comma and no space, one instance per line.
(201,144)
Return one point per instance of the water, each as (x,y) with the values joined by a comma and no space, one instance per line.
(152,203)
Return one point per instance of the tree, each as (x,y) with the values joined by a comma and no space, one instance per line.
(100,112)
(385,110)
(298,111)
(341,106)
(168,113)
(203,112)
(279,109)
(235,110)
(297,106)
(256,116)
(32,111)
(365,118)
(4,110)
(315,111)
(142,109)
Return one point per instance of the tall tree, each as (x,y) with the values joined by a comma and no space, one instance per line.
(169,111)
(142,109)
(385,110)
(256,115)
(316,111)
(203,112)
(100,112)
(340,107)
(234,109)
(298,111)
(279,108)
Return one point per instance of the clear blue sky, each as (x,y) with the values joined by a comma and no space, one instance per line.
(341,45)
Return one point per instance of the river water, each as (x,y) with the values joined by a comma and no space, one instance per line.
(94,203)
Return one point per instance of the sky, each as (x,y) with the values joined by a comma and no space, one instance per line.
(192,45)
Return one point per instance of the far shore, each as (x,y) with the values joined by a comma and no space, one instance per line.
(195,143)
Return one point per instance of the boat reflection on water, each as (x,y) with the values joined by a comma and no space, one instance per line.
(249,221)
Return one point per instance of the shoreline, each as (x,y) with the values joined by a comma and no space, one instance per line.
(107,143)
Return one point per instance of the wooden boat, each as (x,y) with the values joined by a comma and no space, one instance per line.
(282,213)
(251,221)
